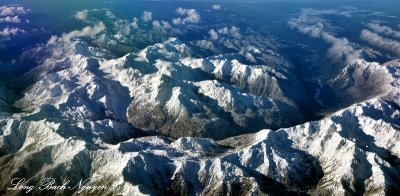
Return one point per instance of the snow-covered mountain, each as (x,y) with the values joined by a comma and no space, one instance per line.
(85,113)
(164,89)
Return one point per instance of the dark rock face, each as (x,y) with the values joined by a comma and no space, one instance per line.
(217,97)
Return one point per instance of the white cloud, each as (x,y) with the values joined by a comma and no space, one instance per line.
(156,24)
(234,31)
(85,32)
(224,30)
(123,28)
(11,31)
(9,19)
(135,23)
(216,7)
(165,24)
(377,28)
(380,42)
(110,15)
(213,34)
(147,16)
(191,16)
(9,11)
(181,11)
(341,48)
(314,12)
(177,21)
(308,25)
(81,15)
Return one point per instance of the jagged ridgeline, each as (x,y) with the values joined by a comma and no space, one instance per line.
(186,98)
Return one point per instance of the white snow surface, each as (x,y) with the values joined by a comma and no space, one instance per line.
(77,124)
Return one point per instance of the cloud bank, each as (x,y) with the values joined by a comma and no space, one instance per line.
(380,42)
(341,48)
(382,29)
(9,19)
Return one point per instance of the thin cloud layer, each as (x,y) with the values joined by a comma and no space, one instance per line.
(314,12)
(380,42)
(188,16)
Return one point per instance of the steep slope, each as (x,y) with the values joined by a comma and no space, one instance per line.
(75,127)
(353,151)
(178,95)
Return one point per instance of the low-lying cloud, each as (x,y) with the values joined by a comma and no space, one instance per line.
(11,19)
(216,7)
(382,29)
(233,31)
(85,32)
(12,10)
(213,34)
(188,16)
(11,31)
(81,15)
(341,48)
(381,42)
(147,16)
(314,12)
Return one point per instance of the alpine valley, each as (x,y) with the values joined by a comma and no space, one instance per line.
(194,98)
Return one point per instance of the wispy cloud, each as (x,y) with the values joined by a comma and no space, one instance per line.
(380,42)
(314,12)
